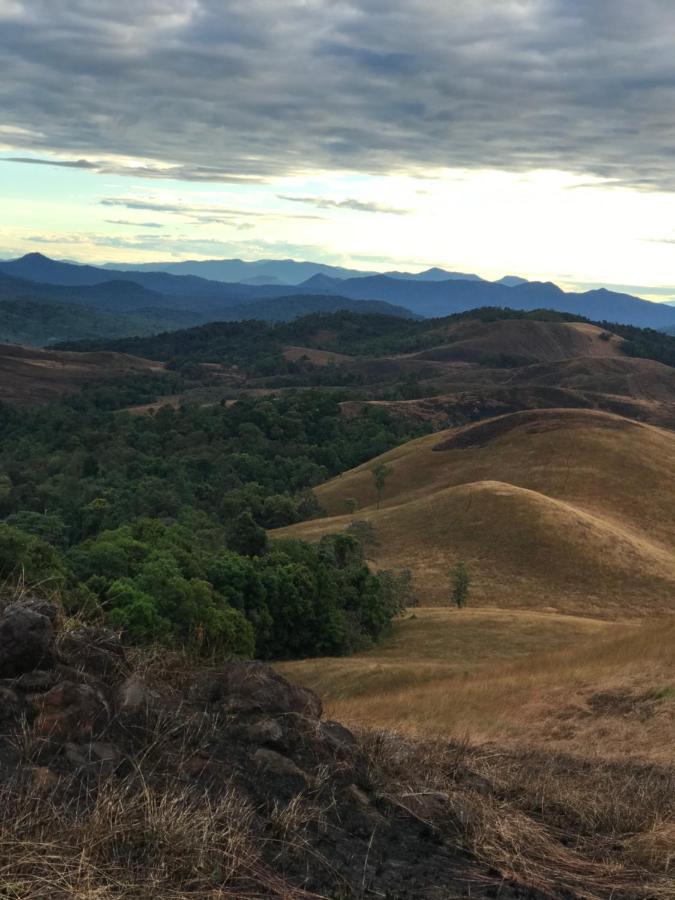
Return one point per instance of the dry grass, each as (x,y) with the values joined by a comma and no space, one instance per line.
(606,691)
(538,341)
(129,840)
(593,829)
(570,509)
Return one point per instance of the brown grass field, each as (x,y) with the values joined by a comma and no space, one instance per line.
(560,683)
(566,510)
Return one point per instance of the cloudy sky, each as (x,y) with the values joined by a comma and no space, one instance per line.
(533,137)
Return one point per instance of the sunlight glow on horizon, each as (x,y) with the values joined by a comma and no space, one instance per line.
(542,225)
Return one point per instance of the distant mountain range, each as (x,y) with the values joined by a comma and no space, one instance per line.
(157,300)
(278,271)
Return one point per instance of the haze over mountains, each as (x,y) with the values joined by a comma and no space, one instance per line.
(40,297)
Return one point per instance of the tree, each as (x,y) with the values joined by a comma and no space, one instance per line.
(247,537)
(380,474)
(460,584)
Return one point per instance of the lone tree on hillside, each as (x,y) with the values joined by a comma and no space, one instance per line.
(460,584)
(380,475)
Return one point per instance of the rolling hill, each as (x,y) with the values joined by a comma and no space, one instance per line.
(561,509)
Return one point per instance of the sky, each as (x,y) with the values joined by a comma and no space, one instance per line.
(525,137)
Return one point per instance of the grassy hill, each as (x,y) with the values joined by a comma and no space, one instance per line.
(557,683)
(563,509)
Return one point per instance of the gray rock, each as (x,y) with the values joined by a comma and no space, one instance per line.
(255,687)
(265,732)
(26,640)
(338,738)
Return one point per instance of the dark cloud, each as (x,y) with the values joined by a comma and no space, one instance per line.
(209,174)
(230,90)
(64,163)
(358,205)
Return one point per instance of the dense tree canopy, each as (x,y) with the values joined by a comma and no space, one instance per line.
(156,524)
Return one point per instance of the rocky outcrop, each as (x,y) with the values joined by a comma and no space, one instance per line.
(26,637)
(78,718)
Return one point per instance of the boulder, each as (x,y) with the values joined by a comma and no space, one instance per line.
(246,687)
(26,637)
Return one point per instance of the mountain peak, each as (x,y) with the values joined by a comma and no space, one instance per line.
(34,257)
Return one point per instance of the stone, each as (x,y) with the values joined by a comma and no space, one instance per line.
(338,738)
(97,651)
(266,732)
(26,640)
(278,765)
(41,606)
(68,712)
(255,687)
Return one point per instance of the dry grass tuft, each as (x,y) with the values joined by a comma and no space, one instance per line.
(555,823)
(127,839)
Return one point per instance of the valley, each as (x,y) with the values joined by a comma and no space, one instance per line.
(211,492)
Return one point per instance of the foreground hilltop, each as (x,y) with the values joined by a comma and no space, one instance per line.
(570,509)
(135,775)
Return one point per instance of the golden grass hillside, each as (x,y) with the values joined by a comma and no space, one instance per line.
(572,510)
(538,341)
(558,683)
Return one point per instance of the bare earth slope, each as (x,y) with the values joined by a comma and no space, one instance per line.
(565,509)
(31,375)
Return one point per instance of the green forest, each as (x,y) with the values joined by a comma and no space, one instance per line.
(156,524)
(257,346)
